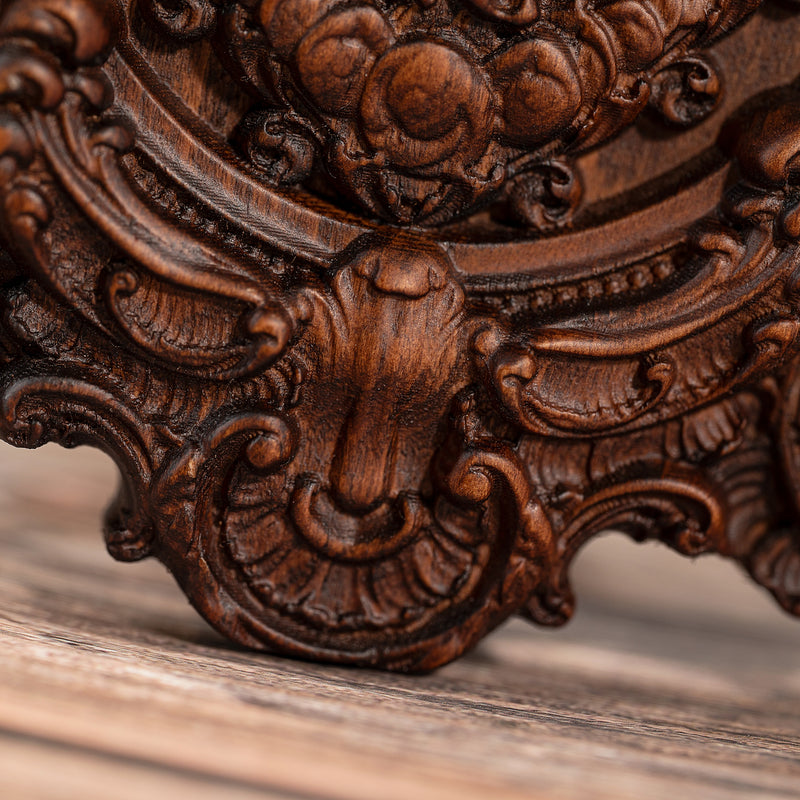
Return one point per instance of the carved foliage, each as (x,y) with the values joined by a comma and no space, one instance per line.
(233,323)
(422,110)
(651,360)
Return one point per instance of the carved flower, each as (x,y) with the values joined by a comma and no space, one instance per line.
(540,88)
(424,103)
(335,57)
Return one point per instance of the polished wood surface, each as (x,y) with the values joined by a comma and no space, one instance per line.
(674,680)
(385,309)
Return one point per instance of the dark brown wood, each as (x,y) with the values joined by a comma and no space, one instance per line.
(334,286)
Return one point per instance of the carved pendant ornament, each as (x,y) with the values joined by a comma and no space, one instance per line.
(321,277)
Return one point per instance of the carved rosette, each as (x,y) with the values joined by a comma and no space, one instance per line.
(342,442)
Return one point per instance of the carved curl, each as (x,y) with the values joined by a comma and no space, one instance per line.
(280,145)
(686,91)
(336,448)
(546,196)
(184,19)
(61,408)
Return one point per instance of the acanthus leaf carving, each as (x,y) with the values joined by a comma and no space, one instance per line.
(84,157)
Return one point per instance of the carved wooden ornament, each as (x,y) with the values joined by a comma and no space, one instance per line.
(326,279)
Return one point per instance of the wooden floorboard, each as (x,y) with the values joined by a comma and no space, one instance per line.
(676,679)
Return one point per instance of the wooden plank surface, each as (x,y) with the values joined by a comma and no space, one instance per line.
(677,679)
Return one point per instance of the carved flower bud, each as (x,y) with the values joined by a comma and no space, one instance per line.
(335,57)
(286,21)
(642,29)
(541,92)
(686,92)
(546,196)
(425,103)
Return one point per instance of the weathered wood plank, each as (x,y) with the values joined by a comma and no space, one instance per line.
(670,682)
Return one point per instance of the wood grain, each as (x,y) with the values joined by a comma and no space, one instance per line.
(326,281)
(672,681)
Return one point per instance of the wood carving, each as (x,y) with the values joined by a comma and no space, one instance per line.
(324,280)
(419,111)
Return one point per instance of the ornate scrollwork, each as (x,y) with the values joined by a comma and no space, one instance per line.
(317,536)
(345,439)
(636,356)
(66,409)
(252,327)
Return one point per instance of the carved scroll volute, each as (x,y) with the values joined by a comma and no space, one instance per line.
(42,42)
(336,443)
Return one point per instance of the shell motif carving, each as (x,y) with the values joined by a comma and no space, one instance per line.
(322,540)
